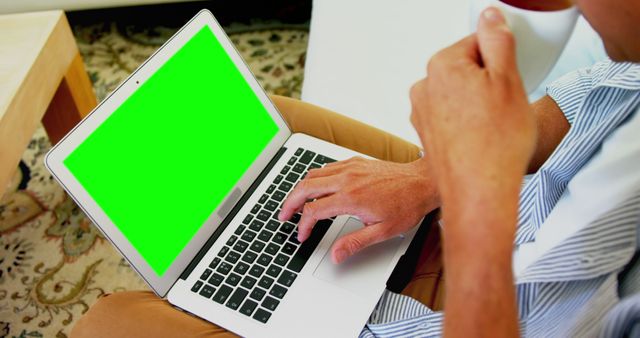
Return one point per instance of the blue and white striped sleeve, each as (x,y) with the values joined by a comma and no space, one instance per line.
(570,90)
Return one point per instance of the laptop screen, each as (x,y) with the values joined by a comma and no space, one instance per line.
(161,163)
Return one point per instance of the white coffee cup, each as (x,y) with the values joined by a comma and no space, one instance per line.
(540,36)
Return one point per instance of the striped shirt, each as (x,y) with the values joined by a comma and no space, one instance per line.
(587,283)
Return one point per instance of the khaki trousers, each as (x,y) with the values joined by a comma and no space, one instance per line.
(143,314)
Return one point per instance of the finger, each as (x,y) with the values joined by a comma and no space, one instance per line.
(326,170)
(306,190)
(461,55)
(354,242)
(496,42)
(322,208)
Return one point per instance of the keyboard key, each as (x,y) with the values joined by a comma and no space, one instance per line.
(306,249)
(299,168)
(264,259)
(287,278)
(314,166)
(271,188)
(263,198)
(322,159)
(264,215)
(278,196)
(294,238)
(272,225)
(232,257)
(270,303)
(285,170)
(249,236)
(271,205)
(222,294)
(223,251)
(248,282)
(257,246)
(240,230)
(206,274)
(285,186)
(237,298)
(275,214)
(265,235)
(241,268)
(292,160)
(256,271)
(274,270)
(214,263)
(241,246)
(281,259)
(248,307)
(307,157)
(261,316)
(299,151)
(287,227)
(196,286)
(249,257)
(256,225)
(289,248)
(233,279)
(257,294)
(255,208)
(231,240)
(224,268)
(279,238)
(265,282)
(216,279)
(207,291)
(278,291)
(292,177)
(247,219)
(278,179)
(272,249)
(295,218)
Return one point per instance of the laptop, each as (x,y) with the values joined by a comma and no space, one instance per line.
(184,168)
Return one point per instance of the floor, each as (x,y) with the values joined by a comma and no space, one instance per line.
(54,263)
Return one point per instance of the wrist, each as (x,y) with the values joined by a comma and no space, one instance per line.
(426,184)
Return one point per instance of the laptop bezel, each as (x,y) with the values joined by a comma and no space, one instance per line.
(54,158)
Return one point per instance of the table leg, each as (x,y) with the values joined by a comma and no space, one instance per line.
(73,100)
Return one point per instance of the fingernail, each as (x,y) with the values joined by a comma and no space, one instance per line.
(340,255)
(493,15)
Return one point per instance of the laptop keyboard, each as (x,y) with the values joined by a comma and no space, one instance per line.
(259,263)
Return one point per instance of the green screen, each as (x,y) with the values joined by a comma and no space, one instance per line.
(166,158)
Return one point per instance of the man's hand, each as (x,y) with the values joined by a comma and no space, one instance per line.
(477,128)
(472,114)
(389,198)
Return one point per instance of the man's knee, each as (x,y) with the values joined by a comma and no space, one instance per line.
(109,314)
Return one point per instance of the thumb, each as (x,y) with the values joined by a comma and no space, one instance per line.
(352,243)
(496,42)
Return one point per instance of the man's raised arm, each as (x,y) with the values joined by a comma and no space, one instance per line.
(480,141)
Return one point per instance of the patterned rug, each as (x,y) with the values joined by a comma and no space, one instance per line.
(54,263)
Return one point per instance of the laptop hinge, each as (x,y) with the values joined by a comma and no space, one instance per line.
(207,245)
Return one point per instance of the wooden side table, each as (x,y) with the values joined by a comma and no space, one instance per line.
(42,78)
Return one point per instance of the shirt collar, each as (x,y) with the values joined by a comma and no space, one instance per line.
(624,75)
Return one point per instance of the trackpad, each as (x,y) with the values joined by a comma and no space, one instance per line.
(368,267)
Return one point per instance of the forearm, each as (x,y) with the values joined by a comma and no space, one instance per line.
(551,126)
(478,246)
